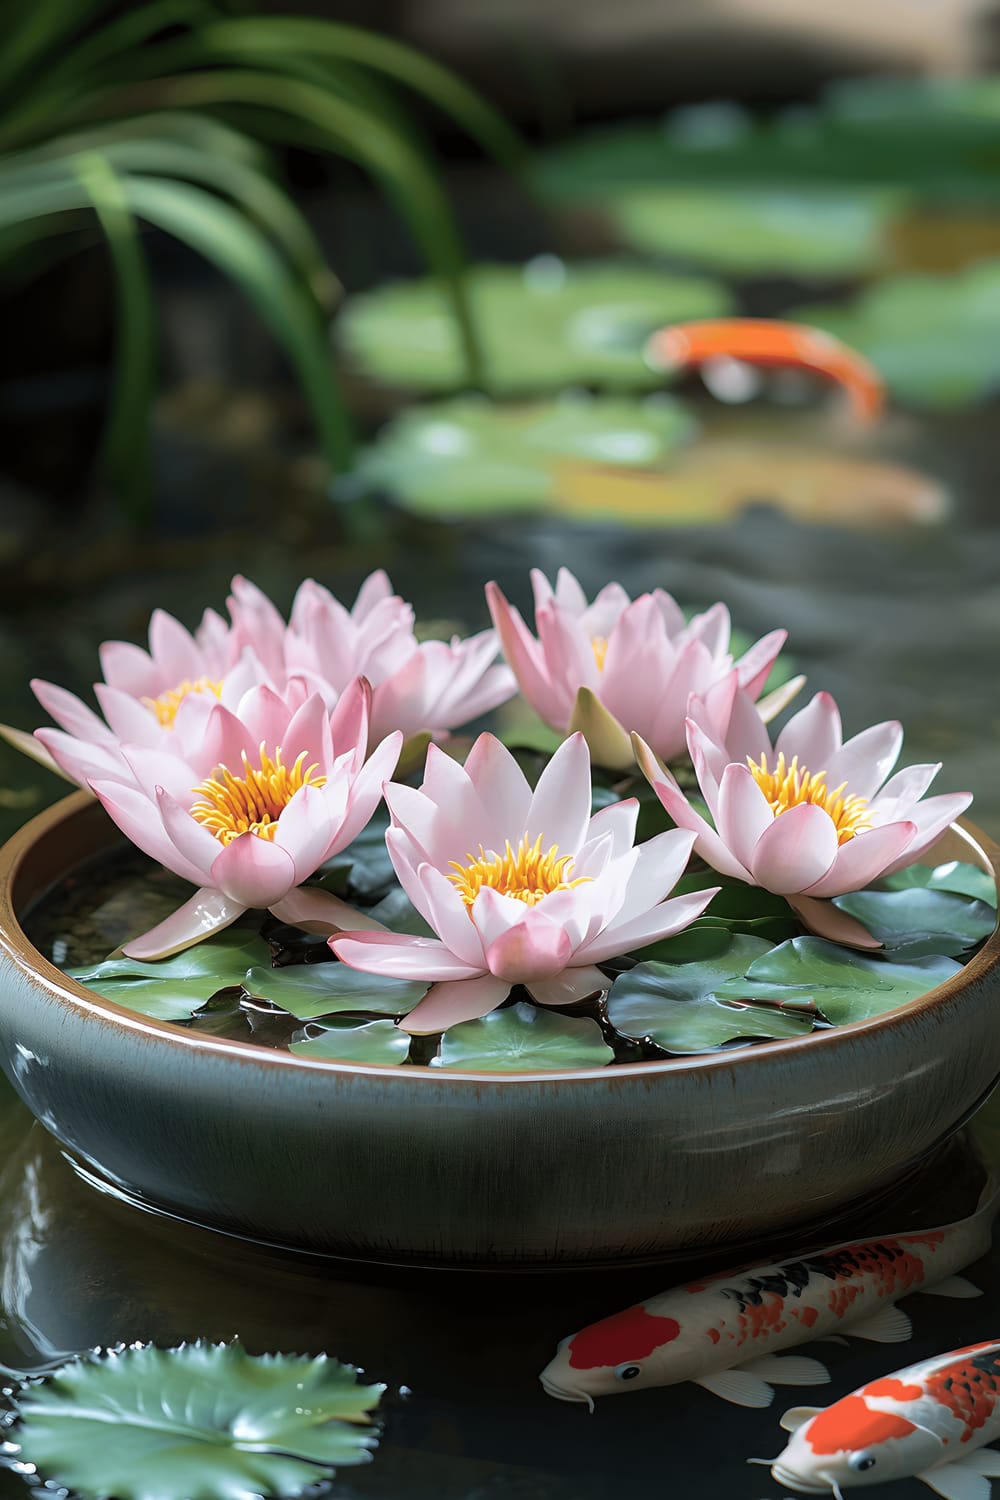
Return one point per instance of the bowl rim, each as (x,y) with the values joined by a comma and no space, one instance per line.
(18,949)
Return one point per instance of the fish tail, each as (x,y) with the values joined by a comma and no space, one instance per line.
(988,1203)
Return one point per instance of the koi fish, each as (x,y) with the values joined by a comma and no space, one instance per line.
(772,341)
(724,1331)
(928,1422)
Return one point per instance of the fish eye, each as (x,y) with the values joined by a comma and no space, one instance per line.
(861,1461)
(628,1372)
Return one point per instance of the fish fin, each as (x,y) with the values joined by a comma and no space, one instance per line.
(889,1326)
(788,1369)
(952,1286)
(738,1387)
(798,1416)
(831,1338)
(956,1482)
(982,1461)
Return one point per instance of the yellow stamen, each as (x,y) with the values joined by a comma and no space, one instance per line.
(599,646)
(166,705)
(254,802)
(791,785)
(526,873)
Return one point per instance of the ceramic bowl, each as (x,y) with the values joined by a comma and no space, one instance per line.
(418,1165)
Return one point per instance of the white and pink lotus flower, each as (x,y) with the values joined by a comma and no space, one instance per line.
(620,665)
(809,817)
(522,887)
(246,755)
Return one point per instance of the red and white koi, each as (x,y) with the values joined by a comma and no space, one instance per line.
(930,1422)
(723,1332)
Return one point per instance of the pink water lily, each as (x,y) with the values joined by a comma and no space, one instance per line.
(521,886)
(620,664)
(160,698)
(430,685)
(809,817)
(289,787)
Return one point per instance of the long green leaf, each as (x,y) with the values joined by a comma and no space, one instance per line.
(126,444)
(35,30)
(224,236)
(273,39)
(357,134)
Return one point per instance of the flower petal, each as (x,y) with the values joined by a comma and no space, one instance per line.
(449,916)
(662,921)
(401,956)
(206,912)
(560,806)
(536,948)
(187,835)
(863,858)
(707,843)
(865,761)
(744,813)
(526,658)
(70,713)
(931,818)
(316,910)
(828,921)
(253,870)
(501,786)
(796,851)
(451,1002)
(135,814)
(754,666)
(814,734)
(569,987)
(306,829)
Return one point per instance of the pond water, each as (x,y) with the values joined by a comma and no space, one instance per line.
(897,621)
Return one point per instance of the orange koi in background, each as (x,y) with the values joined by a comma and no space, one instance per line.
(772,342)
(724,1332)
(930,1422)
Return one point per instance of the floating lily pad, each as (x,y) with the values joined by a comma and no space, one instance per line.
(681,1004)
(738,907)
(543,326)
(806,232)
(171,989)
(963,879)
(935,339)
(199,1422)
(467,457)
(845,985)
(346,1041)
(312,990)
(522,1038)
(910,923)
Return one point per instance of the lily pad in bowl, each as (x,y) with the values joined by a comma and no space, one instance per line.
(543,326)
(467,457)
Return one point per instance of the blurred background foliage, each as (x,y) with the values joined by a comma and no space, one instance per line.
(136,137)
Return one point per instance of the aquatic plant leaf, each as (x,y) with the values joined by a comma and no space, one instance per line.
(736,906)
(311,990)
(845,985)
(171,989)
(920,920)
(468,457)
(197,1422)
(543,326)
(681,1003)
(764,229)
(524,1038)
(935,339)
(347,1041)
(955,875)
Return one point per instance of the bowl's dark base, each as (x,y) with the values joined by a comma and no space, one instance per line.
(940,1189)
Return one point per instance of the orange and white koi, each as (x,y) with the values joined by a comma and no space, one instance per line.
(723,1332)
(772,341)
(930,1422)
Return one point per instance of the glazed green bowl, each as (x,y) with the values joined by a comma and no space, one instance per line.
(416,1165)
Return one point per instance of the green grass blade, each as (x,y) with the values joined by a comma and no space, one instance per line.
(356,133)
(261,38)
(35,29)
(226,237)
(126,443)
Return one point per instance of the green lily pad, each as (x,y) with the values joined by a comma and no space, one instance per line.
(935,339)
(543,326)
(468,457)
(312,990)
(346,1041)
(919,921)
(736,906)
(806,232)
(845,985)
(171,989)
(681,1003)
(523,1038)
(963,879)
(199,1422)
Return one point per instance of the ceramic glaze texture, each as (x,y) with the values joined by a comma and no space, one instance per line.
(413,1164)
